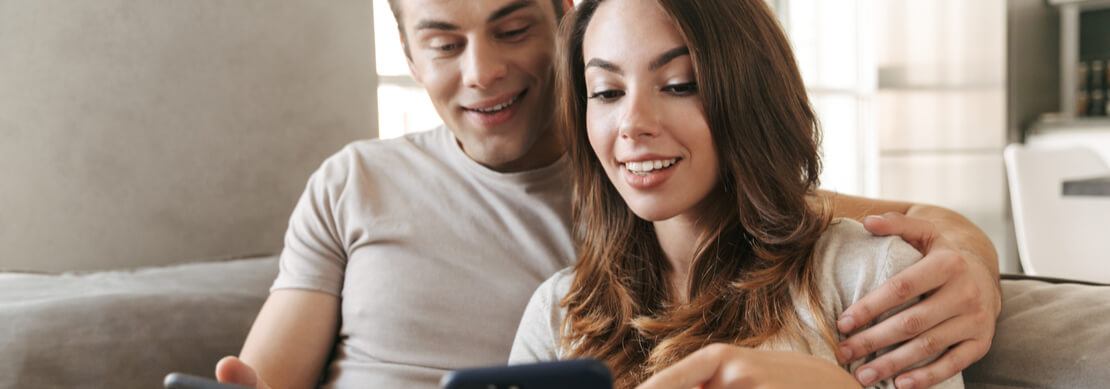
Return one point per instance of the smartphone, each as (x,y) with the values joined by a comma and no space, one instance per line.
(186,381)
(580,374)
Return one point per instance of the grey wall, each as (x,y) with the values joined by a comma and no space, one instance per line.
(147,132)
(1033,64)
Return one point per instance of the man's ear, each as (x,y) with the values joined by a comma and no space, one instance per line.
(412,68)
(408,59)
(568,5)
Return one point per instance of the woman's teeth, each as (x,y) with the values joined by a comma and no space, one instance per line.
(644,167)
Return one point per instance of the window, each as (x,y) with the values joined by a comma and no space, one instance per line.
(835,52)
(403,106)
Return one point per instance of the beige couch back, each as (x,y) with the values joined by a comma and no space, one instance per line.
(150,132)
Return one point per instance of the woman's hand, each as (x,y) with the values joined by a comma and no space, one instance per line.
(232,370)
(721,366)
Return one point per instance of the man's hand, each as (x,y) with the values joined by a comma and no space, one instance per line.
(231,370)
(961,301)
(721,366)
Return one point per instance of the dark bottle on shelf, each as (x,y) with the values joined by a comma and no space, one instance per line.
(1098,103)
(1082,76)
(1106,87)
(1098,76)
(1106,74)
(1082,103)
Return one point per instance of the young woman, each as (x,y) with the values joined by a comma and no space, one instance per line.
(696,159)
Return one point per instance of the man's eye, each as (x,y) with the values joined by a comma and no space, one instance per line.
(512,34)
(607,95)
(447,47)
(684,89)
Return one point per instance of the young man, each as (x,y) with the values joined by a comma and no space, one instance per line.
(411,257)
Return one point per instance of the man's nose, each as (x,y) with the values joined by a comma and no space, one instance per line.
(483,65)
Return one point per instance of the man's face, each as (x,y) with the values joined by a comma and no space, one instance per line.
(487,66)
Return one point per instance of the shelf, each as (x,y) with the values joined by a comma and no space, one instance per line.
(1084,5)
(1071,12)
(1052,123)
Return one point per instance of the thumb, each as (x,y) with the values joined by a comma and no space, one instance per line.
(695,371)
(232,370)
(917,232)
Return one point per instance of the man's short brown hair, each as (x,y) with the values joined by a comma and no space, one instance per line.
(395,6)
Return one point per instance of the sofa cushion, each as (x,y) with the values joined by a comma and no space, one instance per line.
(129,329)
(126,329)
(1049,335)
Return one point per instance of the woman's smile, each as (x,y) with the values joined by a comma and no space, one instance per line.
(648,174)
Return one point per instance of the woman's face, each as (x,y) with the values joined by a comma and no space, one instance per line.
(644,116)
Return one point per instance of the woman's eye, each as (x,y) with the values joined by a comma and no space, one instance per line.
(607,95)
(684,89)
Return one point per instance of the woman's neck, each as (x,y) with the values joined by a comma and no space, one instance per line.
(678,236)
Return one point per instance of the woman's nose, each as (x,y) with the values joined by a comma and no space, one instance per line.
(639,119)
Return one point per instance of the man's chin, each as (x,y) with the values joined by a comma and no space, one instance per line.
(493,150)
(502,158)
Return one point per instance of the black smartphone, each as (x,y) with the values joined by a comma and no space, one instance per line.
(186,381)
(580,374)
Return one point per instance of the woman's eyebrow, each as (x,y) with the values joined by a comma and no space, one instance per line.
(668,56)
(659,61)
(603,64)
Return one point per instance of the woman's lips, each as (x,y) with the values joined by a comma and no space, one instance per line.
(647,180)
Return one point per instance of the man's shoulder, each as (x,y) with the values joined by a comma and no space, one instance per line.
(383,149)
(370,154)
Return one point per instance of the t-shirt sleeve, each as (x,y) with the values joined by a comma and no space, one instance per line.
(896,255)
(537,337)
(314,257)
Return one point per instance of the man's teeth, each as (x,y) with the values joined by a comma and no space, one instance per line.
(648,166)
(497,107)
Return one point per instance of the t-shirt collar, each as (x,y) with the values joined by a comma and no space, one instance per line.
(555,170)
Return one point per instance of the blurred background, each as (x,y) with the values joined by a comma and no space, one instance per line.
(915,98)
(137,133)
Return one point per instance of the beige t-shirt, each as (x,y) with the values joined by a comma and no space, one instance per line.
(432,254)
(850,262)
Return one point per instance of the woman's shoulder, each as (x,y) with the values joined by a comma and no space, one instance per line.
(537,337)
(854,261)
(846,243)
(555,287)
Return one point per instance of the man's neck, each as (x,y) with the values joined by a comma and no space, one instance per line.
(544,152)
(547,149)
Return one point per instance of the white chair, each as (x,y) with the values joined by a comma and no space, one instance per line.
(1057,235)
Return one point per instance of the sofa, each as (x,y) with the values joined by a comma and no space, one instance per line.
(147,135)
(128,329)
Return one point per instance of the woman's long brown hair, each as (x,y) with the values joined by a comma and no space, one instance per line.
(760,233)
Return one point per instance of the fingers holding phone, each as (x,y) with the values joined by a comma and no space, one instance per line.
(186,381)
(233,370)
